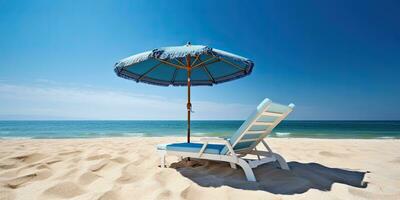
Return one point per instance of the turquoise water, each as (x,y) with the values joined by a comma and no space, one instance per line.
(95,129)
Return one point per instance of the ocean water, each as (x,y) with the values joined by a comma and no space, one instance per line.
(287,129)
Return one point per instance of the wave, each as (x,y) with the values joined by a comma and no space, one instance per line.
(138,134)
(82,136)
(201,134)
(123,134)
(15,138)
(282,134)
(386,137)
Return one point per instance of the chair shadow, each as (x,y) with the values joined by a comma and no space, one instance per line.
(301,177)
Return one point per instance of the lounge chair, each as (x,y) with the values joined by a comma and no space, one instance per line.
(253,131)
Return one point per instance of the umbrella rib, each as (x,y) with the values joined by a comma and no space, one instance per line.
(233,64)
(212,62)
(174,76)
(201,63)
(148,71)
(171,64)
(180,62)
(195,60)
(209,74)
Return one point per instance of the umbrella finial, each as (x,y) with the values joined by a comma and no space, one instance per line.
(188,43)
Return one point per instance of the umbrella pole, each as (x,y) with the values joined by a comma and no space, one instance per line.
(188,105)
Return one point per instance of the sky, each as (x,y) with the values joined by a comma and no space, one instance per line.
(335,60)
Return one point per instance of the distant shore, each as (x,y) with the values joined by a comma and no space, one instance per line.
(123,168)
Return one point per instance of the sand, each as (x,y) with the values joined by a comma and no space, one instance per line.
(128,168)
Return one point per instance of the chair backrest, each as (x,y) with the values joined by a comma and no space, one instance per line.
(258,125)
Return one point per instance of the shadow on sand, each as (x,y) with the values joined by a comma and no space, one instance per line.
(301,178)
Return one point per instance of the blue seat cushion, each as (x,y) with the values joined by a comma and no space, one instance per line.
(195,147)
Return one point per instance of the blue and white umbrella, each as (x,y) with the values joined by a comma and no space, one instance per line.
(188,65)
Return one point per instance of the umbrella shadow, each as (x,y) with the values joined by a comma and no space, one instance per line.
(301,177)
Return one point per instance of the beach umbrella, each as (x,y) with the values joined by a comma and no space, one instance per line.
(187,65)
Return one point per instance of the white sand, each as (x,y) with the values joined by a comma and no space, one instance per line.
(127,168)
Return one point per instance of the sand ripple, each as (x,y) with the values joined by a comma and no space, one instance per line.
(63,190)
(127,168)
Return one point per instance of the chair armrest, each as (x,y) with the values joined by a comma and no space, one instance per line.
(218,140)
(209,140)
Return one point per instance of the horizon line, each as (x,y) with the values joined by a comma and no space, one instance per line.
(192,120)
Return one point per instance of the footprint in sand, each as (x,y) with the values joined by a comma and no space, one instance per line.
(7,194)
(19,181)
(331,154)
(38,165)
(69,153)
(5,153)
(64,190)
(76,159)
(43,166)
(162,177)
(120,160)
(123,152)
(109,195)
(6,166)
(164,194)
(130,173)
(99,165)
(26,179)
(126,178)
(52,161)
(189,191)
(87,178)
(30,158)
(396,160)
(194,191)
(16,161)
(138,160)
(358,193)
(68,174)
(98,157)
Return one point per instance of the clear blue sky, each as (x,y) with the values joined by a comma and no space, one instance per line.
(333,59)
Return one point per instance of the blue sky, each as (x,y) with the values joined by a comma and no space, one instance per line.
(333,59)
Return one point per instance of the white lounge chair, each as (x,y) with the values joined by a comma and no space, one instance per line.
(253,131)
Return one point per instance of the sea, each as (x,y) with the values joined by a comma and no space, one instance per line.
(215,128)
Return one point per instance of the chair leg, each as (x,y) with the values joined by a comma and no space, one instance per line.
(233,165)
(282,162)
(162,156)
(247,170)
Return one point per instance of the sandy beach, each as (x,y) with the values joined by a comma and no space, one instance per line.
(128,168)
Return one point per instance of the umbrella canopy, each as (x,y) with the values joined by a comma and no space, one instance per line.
(184,66)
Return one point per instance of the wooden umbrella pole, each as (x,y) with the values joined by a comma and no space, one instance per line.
(189,105)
